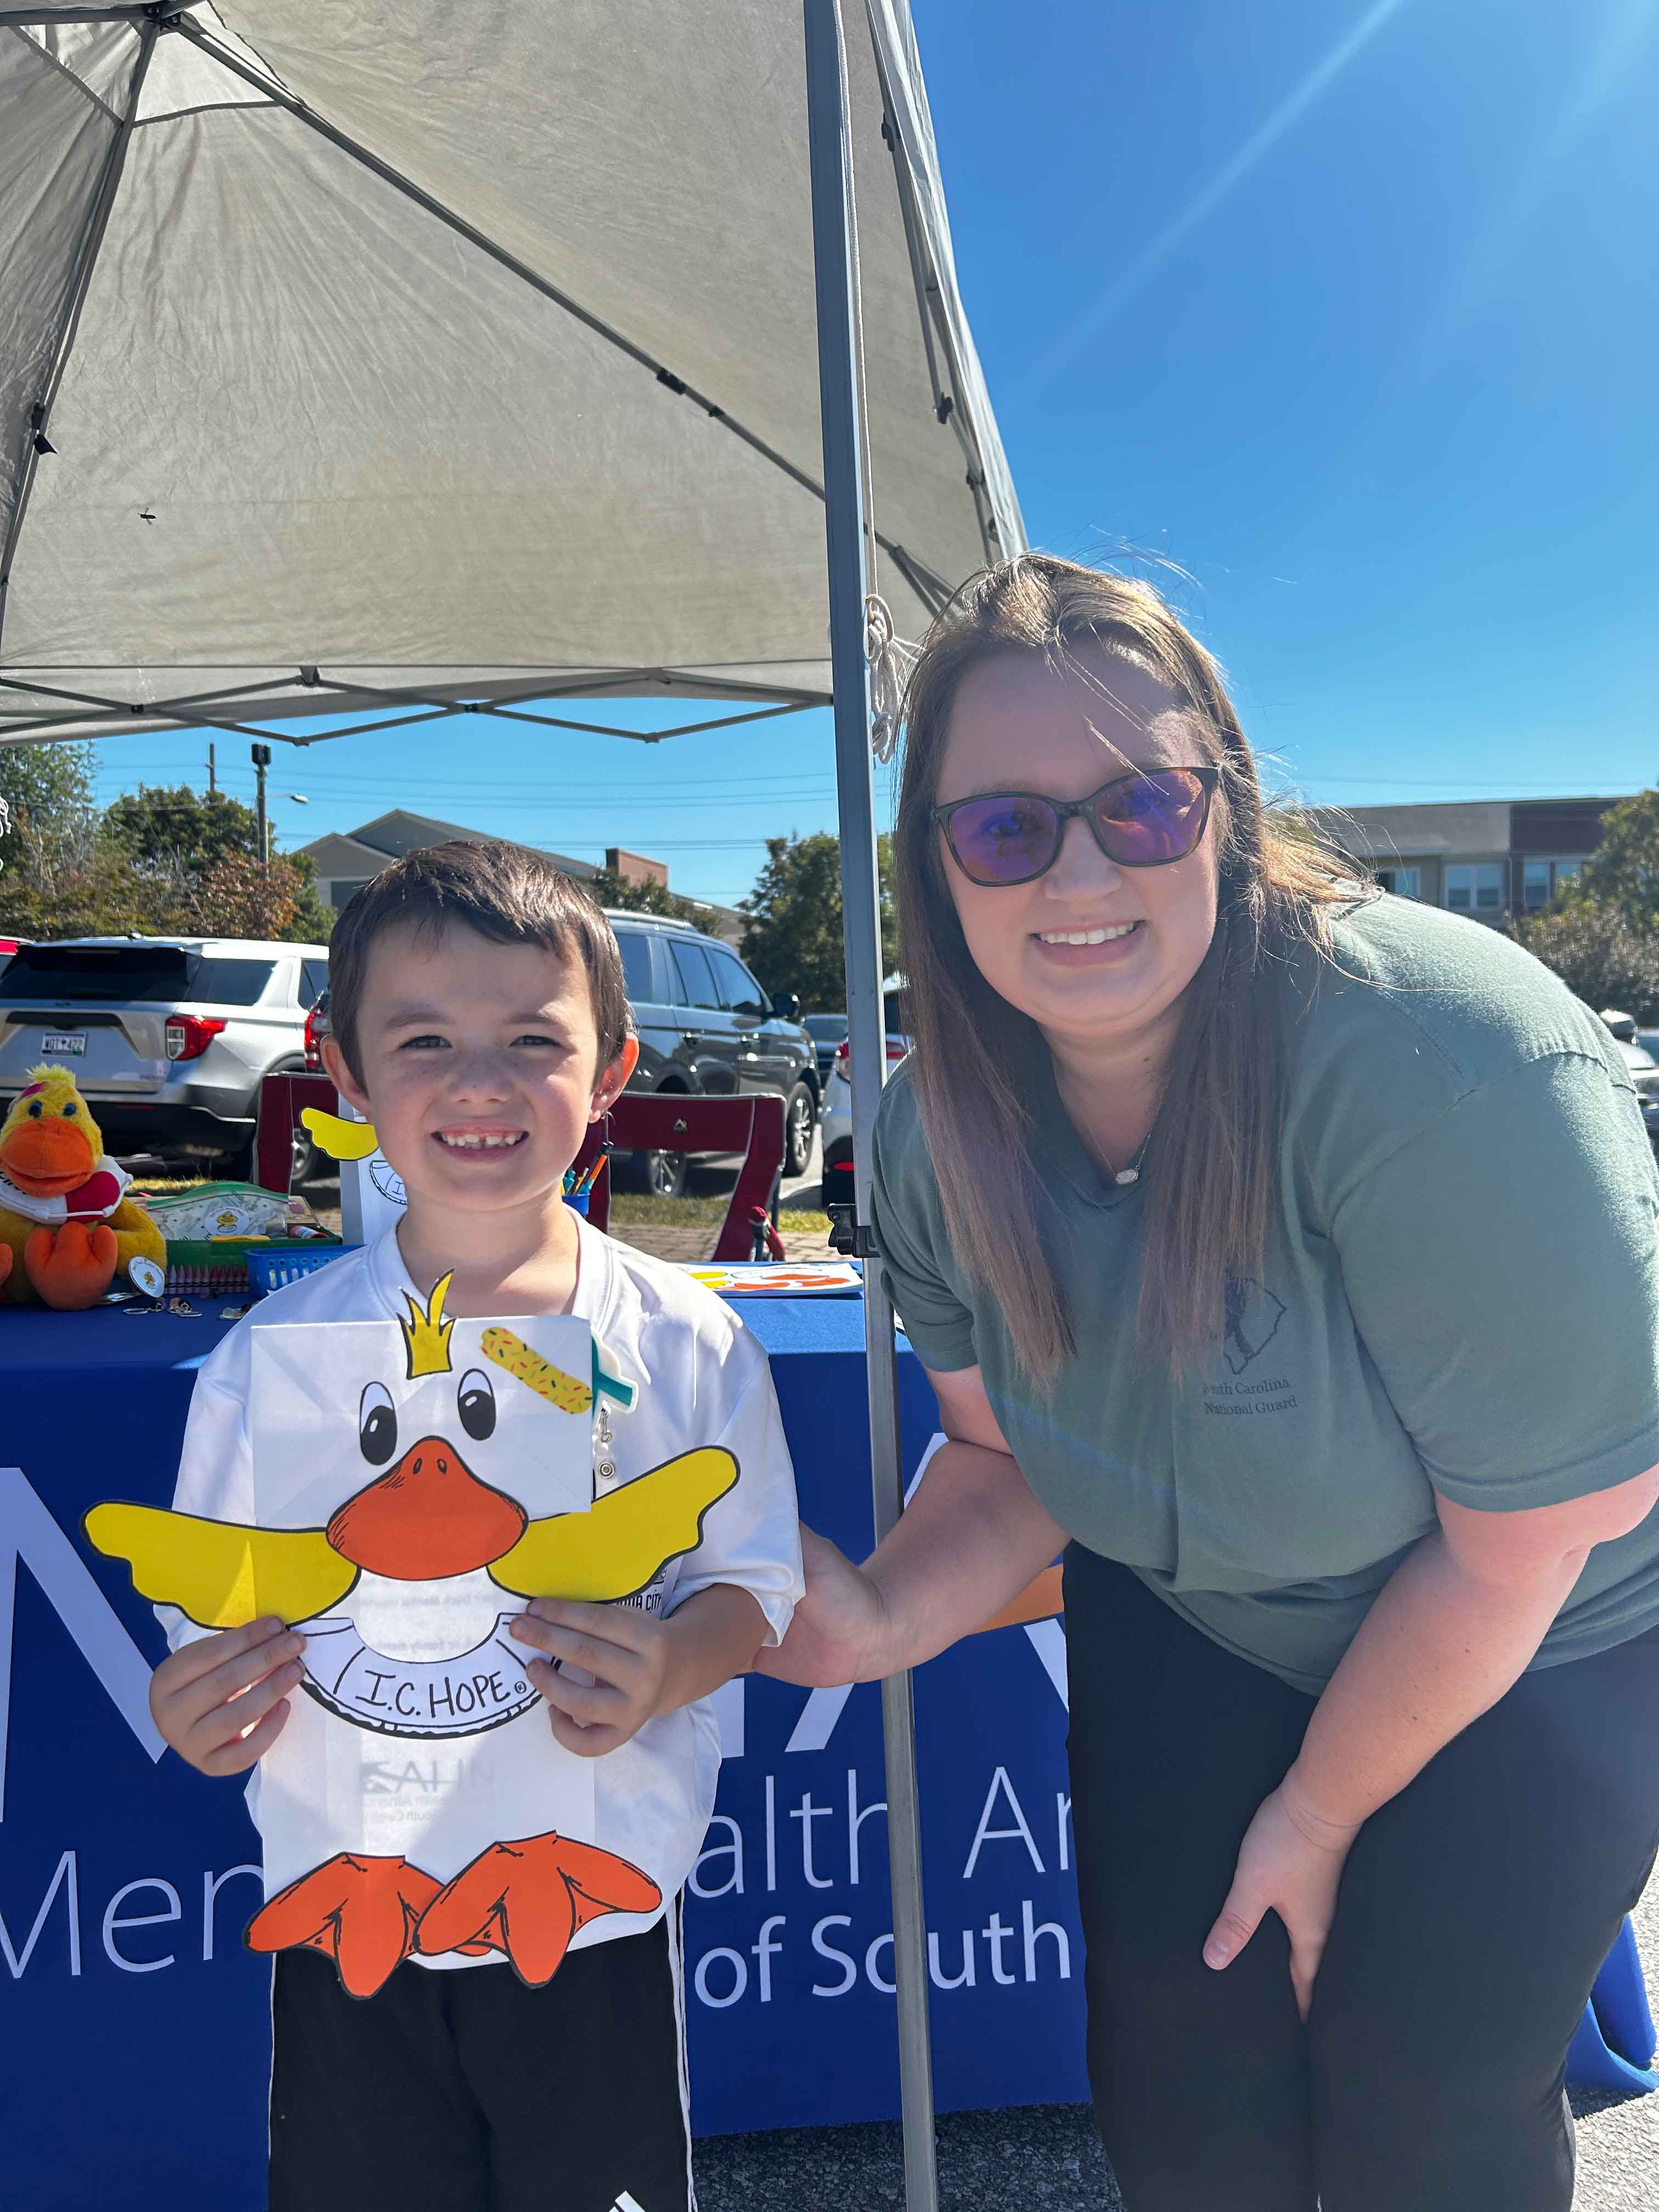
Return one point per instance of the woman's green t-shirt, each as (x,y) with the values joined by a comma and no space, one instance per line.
(1461,1295)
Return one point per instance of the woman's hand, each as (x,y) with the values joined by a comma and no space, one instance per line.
(837,1630)
(1290,1862)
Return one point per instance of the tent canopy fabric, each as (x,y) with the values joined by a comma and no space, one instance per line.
(356,355)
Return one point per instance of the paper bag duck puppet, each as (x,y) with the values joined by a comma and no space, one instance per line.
(414,1483)
(66,1224)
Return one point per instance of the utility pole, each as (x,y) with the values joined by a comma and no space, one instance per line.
(261,763)
(213,777)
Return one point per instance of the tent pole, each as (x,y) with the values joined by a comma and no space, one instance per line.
(835,280)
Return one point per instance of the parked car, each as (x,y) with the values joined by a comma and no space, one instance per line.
(707,1029)
(835,1122)
(826,1031)
(168,1038)
(1634,1045)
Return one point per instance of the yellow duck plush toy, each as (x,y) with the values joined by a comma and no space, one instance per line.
(66,1224)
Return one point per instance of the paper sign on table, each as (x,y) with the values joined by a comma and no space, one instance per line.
(745,1278)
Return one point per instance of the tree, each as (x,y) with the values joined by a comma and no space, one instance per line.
(613,890)
(159,821)
(207,843)
(236,898)
(164,862)
(68,881)
(42,788)
(792,936)
(311,922)
(1623,872)
(1591,946)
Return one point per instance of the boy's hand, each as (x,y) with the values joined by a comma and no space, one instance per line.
(221,1701)
(626,1651)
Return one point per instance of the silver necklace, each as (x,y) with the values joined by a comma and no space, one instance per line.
(1124,1175)
(1132,1173)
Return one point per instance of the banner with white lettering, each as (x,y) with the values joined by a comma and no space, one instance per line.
(125,1879)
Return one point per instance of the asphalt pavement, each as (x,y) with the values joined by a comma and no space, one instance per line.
(1047,2158)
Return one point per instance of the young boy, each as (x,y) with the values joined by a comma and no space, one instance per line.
(480,1022)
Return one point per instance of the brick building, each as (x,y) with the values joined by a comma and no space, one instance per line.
(1488,857)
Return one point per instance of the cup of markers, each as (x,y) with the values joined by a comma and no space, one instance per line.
(578,1188)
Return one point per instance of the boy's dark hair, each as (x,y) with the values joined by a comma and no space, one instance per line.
(506,893)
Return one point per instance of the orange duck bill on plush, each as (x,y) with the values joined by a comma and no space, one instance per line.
(527,1900)
(66,1224)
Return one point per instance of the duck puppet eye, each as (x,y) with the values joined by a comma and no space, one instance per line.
(36,1108)
(377,1424)
(474,1402)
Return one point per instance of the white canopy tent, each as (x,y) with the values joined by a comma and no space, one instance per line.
(452,359)
(462,354)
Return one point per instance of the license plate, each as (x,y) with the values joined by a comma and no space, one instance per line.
(67,1044)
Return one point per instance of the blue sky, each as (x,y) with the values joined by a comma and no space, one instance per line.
(1347,310)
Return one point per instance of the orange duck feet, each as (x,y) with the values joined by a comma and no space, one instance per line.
(529,1898)
(360,1912)
(70,1267)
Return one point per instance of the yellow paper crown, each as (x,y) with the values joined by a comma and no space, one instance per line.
(426,1333)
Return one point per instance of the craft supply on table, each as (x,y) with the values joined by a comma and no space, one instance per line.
(230,1209)
(224,1267)
(272,1266)
(575,1185)
(213,1230)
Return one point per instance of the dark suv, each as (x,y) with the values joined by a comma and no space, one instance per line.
(708,1028)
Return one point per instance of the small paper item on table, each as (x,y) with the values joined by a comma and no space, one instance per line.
(767,1278)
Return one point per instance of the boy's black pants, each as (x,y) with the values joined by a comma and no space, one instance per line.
(1474,1911)
(466,2091)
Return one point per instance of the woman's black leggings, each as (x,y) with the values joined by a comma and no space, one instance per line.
(1474,1911)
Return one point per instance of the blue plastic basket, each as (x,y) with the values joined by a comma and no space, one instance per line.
(271,1271)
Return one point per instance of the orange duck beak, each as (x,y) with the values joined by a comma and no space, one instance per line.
(48,1157)
(426,1518)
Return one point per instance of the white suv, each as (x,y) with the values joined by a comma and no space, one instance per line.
(835,1122)
(168,1037)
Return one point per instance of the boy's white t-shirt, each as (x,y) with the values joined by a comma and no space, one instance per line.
(703,1379)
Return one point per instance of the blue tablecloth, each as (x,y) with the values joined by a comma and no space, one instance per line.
(136,2025)
(131,2009)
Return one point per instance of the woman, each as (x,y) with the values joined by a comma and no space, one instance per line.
(1286,1254)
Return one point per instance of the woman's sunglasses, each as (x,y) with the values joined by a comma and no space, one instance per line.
(1140,821)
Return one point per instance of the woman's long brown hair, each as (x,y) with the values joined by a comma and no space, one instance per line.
(1212,1161)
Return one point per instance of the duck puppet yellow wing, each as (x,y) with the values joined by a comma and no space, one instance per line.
(219,1573)
(622,1541)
